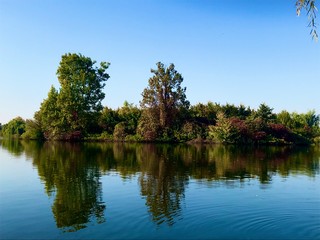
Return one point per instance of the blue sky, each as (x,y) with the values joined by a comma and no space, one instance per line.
(232,51)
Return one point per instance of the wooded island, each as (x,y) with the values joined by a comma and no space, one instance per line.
(74,112)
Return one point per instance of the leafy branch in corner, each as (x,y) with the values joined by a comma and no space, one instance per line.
(310,7)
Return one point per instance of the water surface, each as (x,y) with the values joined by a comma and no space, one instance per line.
(150,191)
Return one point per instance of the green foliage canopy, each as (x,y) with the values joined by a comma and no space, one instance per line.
(14,128)
(68,113)
(81,89)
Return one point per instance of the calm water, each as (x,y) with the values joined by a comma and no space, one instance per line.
(146,191)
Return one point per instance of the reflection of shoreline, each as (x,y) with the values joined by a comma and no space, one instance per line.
(198,161)
(73,170)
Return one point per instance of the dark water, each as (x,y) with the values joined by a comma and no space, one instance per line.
(147,191)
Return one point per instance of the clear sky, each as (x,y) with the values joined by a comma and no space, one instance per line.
(231,51)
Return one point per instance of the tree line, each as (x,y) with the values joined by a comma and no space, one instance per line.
(74,112)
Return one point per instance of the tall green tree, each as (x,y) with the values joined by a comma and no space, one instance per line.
(164,96)
(71,111)
(81,92)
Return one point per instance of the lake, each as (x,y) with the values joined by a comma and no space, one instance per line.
(56,190)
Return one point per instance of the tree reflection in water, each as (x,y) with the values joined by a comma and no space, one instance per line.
(71,173)
(162,183)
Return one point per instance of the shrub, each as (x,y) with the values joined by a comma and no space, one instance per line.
(279,131)
(119,132)
(189,131)
(224,131)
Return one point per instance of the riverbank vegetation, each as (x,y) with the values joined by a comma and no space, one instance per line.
(74,112)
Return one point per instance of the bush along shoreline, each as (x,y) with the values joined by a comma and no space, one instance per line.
(74,113)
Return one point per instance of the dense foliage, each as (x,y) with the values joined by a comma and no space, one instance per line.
(71,112)
(75,112)
(13,128)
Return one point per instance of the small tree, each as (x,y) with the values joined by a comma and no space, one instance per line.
(120,131)
(224,131)
(265,113)
(148,126)
(49,116)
